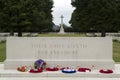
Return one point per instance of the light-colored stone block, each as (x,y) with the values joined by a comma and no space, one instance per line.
(92,52)
(58,74)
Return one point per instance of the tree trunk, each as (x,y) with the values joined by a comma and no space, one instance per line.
(103,34)
(11,33)
(19,33)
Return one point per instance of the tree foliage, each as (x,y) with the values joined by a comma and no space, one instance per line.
(22,15)
(97,15)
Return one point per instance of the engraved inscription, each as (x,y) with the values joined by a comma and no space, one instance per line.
(58,49)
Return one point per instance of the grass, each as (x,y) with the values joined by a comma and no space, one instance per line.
(62,35)
(116,51)
(2,51)
(116,45)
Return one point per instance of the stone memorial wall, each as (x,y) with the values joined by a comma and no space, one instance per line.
(62,51)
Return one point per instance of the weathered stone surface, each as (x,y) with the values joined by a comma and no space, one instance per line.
(92,52)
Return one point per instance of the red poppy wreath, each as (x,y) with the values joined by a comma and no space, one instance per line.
(84,69)
(108,71)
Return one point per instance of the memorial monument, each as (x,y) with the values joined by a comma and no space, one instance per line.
(62,51)
(61,26)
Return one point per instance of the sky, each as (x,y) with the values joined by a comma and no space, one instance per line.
(62,7)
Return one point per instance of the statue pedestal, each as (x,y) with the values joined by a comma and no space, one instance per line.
(61,30)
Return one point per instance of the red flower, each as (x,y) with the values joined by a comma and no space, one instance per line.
(84,69)
(36,70)
(52,69)
(106,71)
(64,68)
(22,69)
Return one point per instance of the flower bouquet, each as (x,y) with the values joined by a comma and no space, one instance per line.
(40,64)
(22,68)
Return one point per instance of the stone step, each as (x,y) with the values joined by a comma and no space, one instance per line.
(47,74)
(57,78)
(58,74)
